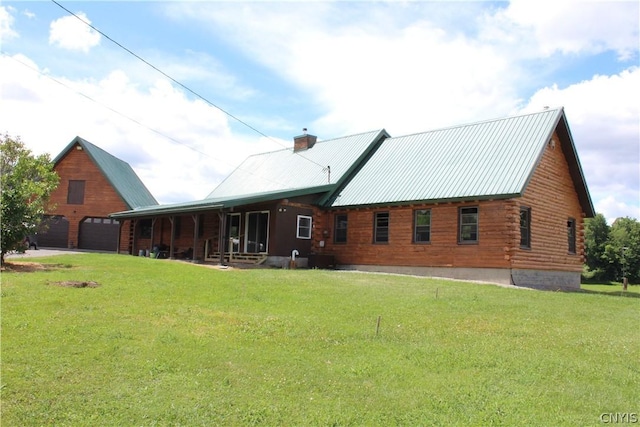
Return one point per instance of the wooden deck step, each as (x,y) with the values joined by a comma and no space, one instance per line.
(249,258)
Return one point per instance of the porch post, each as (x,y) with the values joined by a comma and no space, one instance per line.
(135,234)
(171,241)
(196,228)
(153,228)
(119,234)
(221,241)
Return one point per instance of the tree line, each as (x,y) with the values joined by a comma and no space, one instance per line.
(612,252)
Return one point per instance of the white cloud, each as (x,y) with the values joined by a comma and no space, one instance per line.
(613,208)
(604,116)
(6,23)
(48,115)
(568,26)
(412,71)
(370,68)
(397,65)
(70,33)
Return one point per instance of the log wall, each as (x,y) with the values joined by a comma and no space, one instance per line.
(553,200)
(550,194)
(443,250)
(100,199)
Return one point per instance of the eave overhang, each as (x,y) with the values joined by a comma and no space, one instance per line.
(218,205)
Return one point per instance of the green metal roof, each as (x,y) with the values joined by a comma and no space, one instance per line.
(214,204)
(119,174)
(278,175)
(491,159)
(288,170)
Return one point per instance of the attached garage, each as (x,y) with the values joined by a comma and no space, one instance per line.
(56,231)
(100,234)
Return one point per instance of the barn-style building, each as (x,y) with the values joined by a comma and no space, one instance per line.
(93,184)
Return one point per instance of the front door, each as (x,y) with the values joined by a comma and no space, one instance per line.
(233,233)
(257,232)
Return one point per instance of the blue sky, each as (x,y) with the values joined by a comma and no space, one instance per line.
(336,68)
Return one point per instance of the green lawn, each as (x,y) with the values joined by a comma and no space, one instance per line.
(162,343)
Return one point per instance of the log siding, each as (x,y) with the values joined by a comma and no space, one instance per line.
(550,197)
(100,198)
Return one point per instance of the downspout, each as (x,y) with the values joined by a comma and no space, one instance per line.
(292,263)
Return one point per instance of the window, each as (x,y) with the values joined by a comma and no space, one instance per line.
(422,226)
(145,228)
(75,193)
(571,235)
(381,230)
(468,221)
(525,227)
(304,227)
(340,229)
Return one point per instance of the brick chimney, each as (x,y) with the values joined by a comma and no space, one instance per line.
(304,141)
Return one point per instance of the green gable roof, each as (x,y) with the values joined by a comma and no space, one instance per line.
(280,174)
(491,159)
(120,175)
(286,170)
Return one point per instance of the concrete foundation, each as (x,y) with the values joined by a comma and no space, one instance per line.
(546,279)
(542,279)
(285,262)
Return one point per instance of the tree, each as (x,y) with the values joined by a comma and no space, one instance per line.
(613,253)
(26,184)
(623,248)
(596,236)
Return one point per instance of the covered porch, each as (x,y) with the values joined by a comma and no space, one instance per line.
(256,230)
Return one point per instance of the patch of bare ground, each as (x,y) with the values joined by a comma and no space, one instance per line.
(30,267)
(24,267)
(75,284)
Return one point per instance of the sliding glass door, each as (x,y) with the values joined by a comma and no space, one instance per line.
(257,233)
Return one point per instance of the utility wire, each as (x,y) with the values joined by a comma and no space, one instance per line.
(324,168)
(132,119)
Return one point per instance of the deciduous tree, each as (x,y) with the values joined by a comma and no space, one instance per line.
(624,247)
(596,236)
(613,252)
(27,183)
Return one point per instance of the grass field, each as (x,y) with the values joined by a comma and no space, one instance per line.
(162,343)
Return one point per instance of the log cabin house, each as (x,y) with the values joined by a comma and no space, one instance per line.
(264,209)
(499,201)
(93,184)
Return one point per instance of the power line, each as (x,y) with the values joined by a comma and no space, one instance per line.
(324,168)
(131,118)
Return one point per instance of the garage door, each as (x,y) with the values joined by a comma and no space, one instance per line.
(100,234)
(55,234)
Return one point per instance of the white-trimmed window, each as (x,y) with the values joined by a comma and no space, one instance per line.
(304,227)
